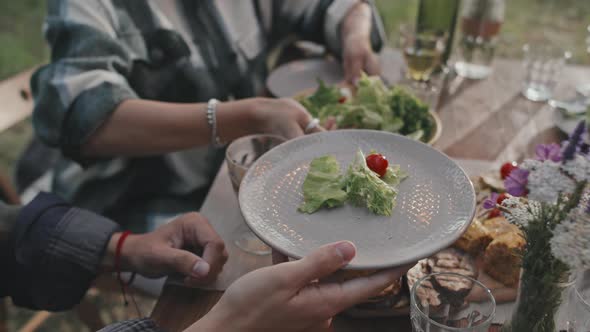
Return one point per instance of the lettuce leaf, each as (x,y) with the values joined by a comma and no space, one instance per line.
(365,188)
(394,175)
(323,185)
(323,96)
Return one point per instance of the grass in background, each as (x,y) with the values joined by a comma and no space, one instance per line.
(559,22)
(21,42)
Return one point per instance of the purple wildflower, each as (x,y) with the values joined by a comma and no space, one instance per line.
(516,182)
(548,152)
(574,141)
(490,202)
(584,148)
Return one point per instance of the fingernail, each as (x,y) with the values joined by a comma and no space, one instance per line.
(346,249)
(201,269)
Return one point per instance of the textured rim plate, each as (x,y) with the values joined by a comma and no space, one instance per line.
(434,207)
(295,76)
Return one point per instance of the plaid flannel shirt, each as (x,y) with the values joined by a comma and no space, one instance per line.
(106,51)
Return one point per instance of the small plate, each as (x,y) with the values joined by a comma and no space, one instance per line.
(435,204)
(289,79)
(564,123)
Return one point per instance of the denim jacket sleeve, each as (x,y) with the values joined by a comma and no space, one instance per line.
(54,253)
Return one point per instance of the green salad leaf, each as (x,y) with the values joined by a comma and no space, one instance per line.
(413,112)
(374,106)
(324,95)
(365,188)
(351,116)
(394,175)
(323,186)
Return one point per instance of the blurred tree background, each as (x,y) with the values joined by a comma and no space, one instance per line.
(563,22)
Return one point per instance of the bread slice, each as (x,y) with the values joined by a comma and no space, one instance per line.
(475,240)
(502,260)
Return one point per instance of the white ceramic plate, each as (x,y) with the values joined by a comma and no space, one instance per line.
(435,204)
(293,77)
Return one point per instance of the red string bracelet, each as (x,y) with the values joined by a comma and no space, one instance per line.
(124,284)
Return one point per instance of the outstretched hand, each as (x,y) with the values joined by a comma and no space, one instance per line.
(289,296)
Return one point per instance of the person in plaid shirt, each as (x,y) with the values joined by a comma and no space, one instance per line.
(125,94)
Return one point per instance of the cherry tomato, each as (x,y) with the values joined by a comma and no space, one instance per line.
(494,213)
(506,169)
(377,163)
(501,198)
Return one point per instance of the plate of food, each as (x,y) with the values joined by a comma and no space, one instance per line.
(484,252)
(372,105)
(397,199)
(293,77)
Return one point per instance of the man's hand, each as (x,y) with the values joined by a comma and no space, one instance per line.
(172,249)
(289,295)
(357,53)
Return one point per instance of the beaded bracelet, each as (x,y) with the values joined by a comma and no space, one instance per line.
(212,120)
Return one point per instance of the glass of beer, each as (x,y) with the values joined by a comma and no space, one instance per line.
(240,155)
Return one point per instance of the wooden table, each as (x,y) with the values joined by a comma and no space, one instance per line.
(485,120)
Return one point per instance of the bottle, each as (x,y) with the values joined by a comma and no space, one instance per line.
(439,17)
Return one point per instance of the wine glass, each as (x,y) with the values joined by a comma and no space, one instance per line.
(443,302)
(422,53)
(240,155)
(584,89)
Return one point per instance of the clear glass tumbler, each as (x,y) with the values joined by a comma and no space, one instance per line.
(578,308)
(542,64)
(480,25)
(240,155)
(439,302)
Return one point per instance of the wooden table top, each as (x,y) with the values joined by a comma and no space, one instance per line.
(485,120)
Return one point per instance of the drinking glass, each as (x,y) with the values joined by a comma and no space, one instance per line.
(578,309)
(542,65)
(584,89)
(422,52)
(240,155)
(438,303)
(480,25)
